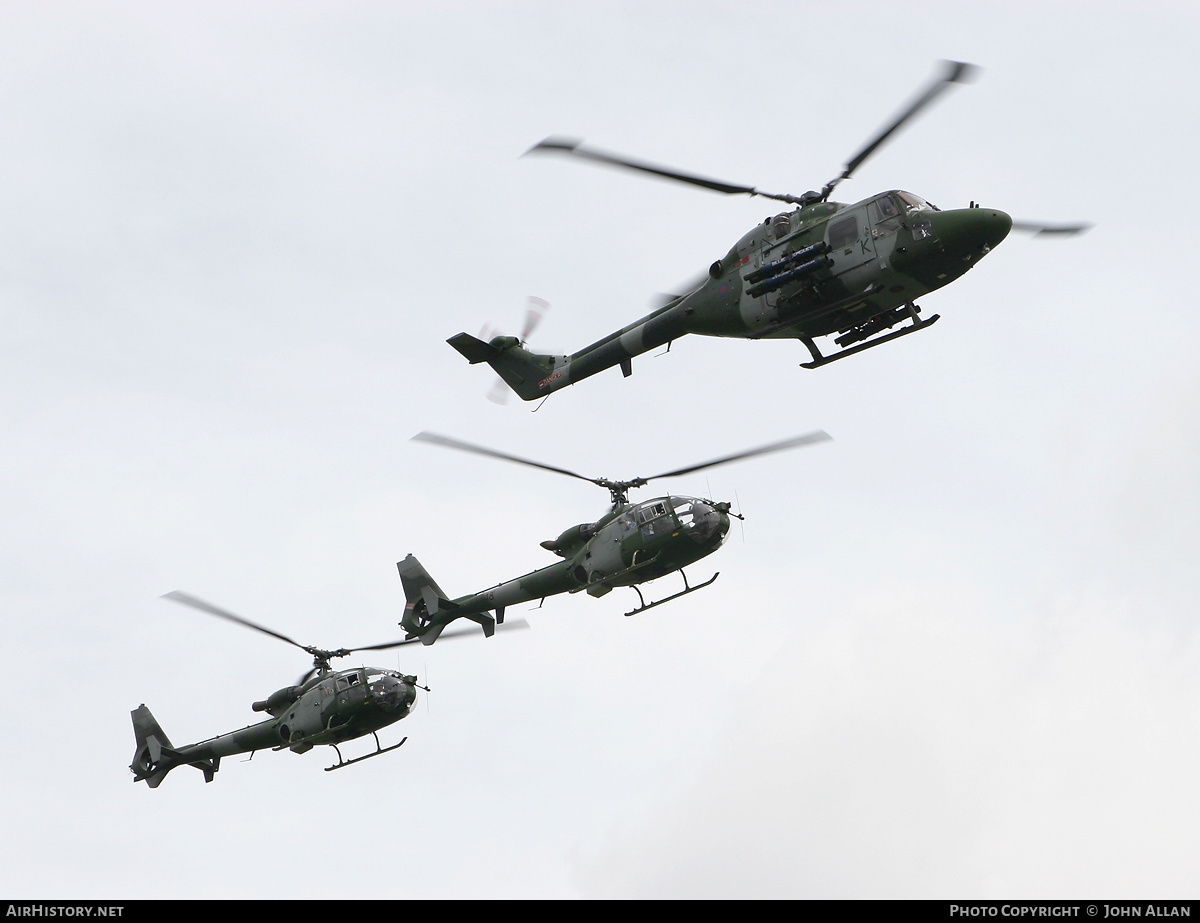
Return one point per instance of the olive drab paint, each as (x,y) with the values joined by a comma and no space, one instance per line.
(631,544)
(850,271)
(326,707)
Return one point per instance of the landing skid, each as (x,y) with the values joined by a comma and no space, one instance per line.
(684,592)
(819,360)
(358,759)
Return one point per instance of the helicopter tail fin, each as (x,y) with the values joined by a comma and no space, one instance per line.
(155,756)
(531,375)
(427,610)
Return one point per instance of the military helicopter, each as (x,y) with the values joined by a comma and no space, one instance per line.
(629,545)
(824,269)
(325,706)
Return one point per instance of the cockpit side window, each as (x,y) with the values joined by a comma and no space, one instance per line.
(887,215)
(843,232)
(697,518)
(651,511)
(914,203)
(655,519)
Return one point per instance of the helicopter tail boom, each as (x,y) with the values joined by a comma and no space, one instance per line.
(533,375)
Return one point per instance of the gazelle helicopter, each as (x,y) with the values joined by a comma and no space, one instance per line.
(326,707)
(630,544)
(824,269)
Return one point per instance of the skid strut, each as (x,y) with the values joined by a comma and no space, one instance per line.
(684,592)
(358,759)
(909,309)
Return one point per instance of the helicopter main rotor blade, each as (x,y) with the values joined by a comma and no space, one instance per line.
(576,149)
(447,442)
(807,439)
(473,630)
(196,603)
(511,624)
(463,632)
(188,600)
(621,486)
(1036,228)
(954,72)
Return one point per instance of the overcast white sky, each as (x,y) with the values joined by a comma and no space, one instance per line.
(956,652)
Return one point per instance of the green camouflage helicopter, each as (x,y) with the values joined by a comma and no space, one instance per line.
(825,268)
(325,707)
(630,544)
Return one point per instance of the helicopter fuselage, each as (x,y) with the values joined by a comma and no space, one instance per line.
(824,268)
(631,544)
(344,705)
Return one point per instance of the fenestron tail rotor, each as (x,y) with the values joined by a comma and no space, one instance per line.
(619,490)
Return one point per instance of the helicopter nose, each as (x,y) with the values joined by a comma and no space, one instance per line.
(974,231)
(993,225)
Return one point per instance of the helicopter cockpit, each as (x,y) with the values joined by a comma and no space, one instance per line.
(389,690)
(890,210)
(696,518)
(914,203)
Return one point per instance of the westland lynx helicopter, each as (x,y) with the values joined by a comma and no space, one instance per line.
(326,707)
(824,269)
(630,544)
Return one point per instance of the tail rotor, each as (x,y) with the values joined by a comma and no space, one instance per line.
(534,315)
